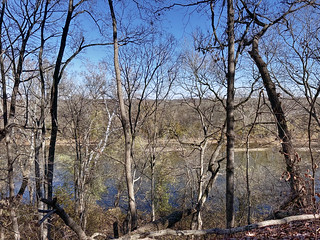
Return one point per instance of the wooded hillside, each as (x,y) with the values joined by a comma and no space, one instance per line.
(141,119)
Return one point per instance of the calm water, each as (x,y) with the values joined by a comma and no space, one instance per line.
(267,187)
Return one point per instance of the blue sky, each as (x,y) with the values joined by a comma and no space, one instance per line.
(181,22)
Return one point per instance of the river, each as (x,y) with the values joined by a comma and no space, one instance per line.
(268,187)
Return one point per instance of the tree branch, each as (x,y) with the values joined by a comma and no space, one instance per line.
(64,216)
(219,231)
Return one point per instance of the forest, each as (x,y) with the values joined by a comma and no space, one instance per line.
(177,119)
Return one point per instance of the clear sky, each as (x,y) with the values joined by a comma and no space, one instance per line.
(181,22)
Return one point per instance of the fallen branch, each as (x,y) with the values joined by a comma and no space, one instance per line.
(164,223)
(219,231)
(64,216)
(161,227)
(66,219)
(158,225)
(280,211)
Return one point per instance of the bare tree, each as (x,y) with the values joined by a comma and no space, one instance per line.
(125,124)
(227,47)
(199,76)
(73,10)
(230,118)
(290,155)
(297,74)
(148,73)
(234,49)
(16,52)
(144,73)
(89,135)
(40,126)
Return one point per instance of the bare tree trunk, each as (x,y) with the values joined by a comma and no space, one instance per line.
(7,133)
(153,142)
(39,174)
(37,165)
(247,178)
(79,168)
(312,113)
(214,174)
(66,218)
(26,169)
(54,99)
(196,218)
(201,179)
(230,119)
(86,161)
(80,180)
(54,104)
(125,126)
(13,215)
(9,118)
(290,155)
(3,75)
(40,132)
(153,163)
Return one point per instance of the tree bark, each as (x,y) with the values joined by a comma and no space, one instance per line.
(290,155)
(39,141)
(4,93)
(152,167)
(3,75)
(54,100)
(159,224)
(57,74)
(196,222)
(219,231)
(125,126)
(66,218)
(214,174)
(230,119)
